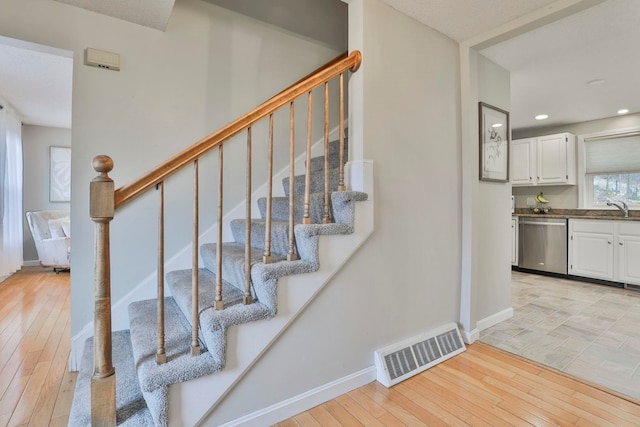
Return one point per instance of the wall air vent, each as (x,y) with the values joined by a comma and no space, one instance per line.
(403,360)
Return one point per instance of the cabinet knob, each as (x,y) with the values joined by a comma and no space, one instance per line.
(609,242)
(620,243)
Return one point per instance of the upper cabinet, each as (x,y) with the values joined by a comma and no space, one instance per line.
(545,160)
(523,161)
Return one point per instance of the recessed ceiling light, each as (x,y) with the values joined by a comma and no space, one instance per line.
(595,82)
(623,111)
(541,117)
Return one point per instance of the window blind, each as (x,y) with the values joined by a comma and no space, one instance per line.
(617,154)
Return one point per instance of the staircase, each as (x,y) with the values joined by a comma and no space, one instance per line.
(181,340)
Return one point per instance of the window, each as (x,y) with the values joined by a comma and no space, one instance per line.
(612,169)
(621,186)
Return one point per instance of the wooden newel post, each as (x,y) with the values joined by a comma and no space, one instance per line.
(103,383)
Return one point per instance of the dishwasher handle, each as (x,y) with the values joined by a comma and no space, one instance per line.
(564,224)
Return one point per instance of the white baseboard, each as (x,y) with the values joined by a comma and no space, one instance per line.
(469,337)
(305,401)
(494,319)
(33,263)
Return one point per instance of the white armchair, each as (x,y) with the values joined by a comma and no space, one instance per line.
(52,236)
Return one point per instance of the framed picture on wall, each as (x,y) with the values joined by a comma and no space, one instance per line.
(494,143)
(59,174)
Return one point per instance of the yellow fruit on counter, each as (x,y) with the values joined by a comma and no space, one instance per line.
(540,198)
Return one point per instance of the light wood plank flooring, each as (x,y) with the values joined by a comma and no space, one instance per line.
(481,387)
(36,388)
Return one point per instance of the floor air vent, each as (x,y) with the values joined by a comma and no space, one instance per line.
(400,361)
(632,286)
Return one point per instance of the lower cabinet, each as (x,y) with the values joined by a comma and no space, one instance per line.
(591,248)
(605,249)
(628,249)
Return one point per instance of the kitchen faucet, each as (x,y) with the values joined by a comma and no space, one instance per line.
(621,205)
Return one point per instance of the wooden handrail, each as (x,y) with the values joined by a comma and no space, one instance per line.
(130,191)
(104,200)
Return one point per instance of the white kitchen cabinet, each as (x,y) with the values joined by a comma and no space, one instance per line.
(628,252)
(605,249)
(591,249)
(514,241)
(523,154)
(545,160)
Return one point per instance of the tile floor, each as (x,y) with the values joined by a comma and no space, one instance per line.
(586,330)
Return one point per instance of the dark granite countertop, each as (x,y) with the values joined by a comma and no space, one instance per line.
(580,214)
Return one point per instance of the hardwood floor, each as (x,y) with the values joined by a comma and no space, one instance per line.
(481,387)
(36,388)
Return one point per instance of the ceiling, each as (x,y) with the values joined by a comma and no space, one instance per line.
(37,81)
(550,66)
(558,69)
(464,19)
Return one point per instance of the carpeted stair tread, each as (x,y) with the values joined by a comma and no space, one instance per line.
(280,208)
(343,205)
(232,261)
(179,282)
(214,324)
(131,409)
(154,379)
(279,235)
(180,366)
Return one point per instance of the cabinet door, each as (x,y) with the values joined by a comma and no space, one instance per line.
(552,159)
(514,241)
(591,255)
(628,259)
(522,162)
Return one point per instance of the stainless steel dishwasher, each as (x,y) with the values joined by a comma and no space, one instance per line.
(543,244)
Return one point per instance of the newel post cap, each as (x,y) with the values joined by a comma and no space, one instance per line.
(102,164)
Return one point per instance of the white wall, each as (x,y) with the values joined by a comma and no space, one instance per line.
(566,196)
(36,141)
(405,279)
(492,213)
(209,67)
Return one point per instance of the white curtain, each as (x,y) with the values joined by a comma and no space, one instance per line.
(10,191)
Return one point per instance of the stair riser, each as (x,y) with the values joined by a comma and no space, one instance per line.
(279,235)
(280,208)
(317,163)
(316,183)
(233,264)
